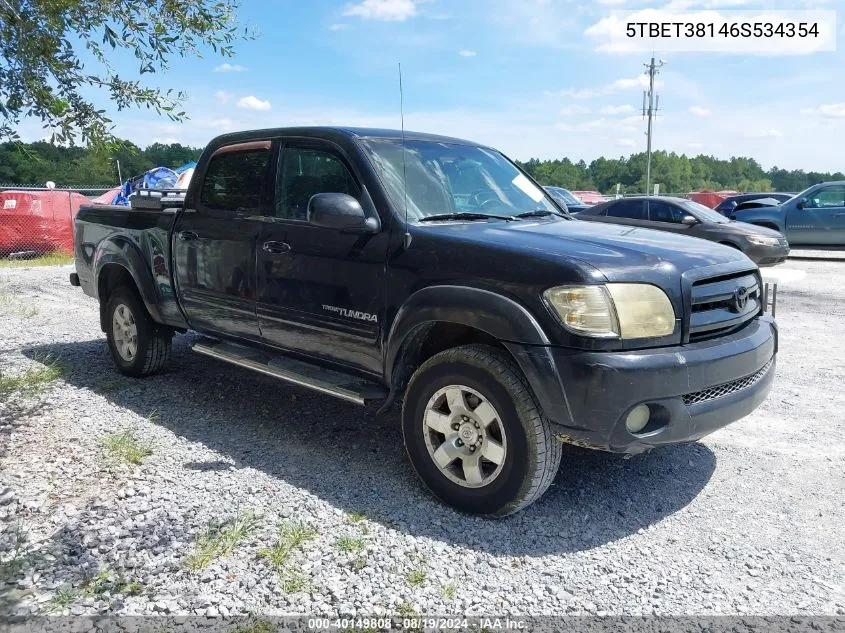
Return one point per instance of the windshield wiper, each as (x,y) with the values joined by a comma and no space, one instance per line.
(539,213)
(464,215)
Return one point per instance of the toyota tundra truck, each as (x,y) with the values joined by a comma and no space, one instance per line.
(383,267)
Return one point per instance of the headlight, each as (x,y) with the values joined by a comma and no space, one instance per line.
(763,240)
(627,311)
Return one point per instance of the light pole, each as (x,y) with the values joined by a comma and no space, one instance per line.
(651,103)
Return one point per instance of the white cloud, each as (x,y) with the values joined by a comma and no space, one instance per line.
(769,133)
(229,68)
(575,108)
(253,103)
(612,2)
(338,27)
(699,111)
(170,140)
(383,10)
(619,85)
(625,142)
(827,110)
(619,109)
(695,145)
(595,124)
(222,96)
(466,53)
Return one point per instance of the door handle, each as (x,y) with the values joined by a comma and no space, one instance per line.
(187,236)
(276,248)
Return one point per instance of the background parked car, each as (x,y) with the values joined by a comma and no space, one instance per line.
(764,246)
(589,197)
(729,204)
(565,197)
(814,217)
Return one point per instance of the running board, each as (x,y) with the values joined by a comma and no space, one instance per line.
(334,383)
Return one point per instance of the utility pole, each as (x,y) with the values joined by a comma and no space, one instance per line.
(651,104)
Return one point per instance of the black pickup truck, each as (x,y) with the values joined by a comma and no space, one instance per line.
(433,271)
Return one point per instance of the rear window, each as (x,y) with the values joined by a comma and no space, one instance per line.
(235,179)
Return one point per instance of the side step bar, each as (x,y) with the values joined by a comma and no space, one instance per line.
(334,383)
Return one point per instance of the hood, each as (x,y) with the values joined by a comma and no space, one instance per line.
(744,228)
(618,252)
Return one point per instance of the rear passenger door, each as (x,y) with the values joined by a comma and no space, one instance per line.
(320,290)
(214,241)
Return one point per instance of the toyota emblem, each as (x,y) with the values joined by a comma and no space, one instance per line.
(740,298)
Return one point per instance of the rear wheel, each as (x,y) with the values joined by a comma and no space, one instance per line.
(139,346)
(474,433)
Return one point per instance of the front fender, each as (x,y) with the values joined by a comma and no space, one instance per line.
(757,216)
(501,317)
(120,251)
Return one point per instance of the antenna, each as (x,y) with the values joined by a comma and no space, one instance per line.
(404,169)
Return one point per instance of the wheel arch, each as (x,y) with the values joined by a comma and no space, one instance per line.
(441,317)
(119,263)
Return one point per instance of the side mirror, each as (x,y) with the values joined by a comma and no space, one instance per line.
(801,203)
(689,220)
(341,212)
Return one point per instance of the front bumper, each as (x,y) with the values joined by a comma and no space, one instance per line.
(691,390)
(767,255)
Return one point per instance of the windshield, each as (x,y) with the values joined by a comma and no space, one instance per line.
(703,213)
(568,196)
(803,194)
(442,178)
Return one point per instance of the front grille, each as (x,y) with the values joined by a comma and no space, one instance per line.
(717,307)
(726,389)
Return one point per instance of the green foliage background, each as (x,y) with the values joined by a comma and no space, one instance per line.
(36,163)
(675,173)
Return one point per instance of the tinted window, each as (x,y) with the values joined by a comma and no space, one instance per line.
(663,212)
(234,180)
(305,171)
(827,197)
(632,209)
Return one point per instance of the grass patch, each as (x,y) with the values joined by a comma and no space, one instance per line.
(34,381)
(112,583)
(450,591)
(10,305)
(221,540)
(125,448)
(48,259)
(61,600)
(356,517)
(292,536)
(416,577)
(256,626)
(294,582)
(349,544)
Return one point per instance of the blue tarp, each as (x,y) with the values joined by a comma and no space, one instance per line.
(156,178)
(186,167)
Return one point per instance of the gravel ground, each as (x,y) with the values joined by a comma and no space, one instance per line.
(749,521)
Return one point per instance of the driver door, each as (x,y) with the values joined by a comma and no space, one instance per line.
(821,221)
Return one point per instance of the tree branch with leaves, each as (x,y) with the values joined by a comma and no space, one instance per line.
(55,59)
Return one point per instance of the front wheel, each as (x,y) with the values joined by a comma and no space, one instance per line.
(139,346)
(474,433)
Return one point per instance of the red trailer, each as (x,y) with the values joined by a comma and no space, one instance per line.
(39,221)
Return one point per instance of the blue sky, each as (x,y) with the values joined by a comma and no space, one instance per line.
(521,75)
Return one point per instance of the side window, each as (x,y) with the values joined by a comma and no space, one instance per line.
(662,212)
(631,209)
(234,180)
(305,171)
(827,197)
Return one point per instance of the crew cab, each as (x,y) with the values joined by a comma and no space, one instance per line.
(381,267)
(814,217)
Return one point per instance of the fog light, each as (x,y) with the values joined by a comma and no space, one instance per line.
(637,418)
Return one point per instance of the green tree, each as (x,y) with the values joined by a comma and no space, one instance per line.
(43,75)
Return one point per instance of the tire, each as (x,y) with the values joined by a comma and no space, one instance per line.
(529,454)
(151,350)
